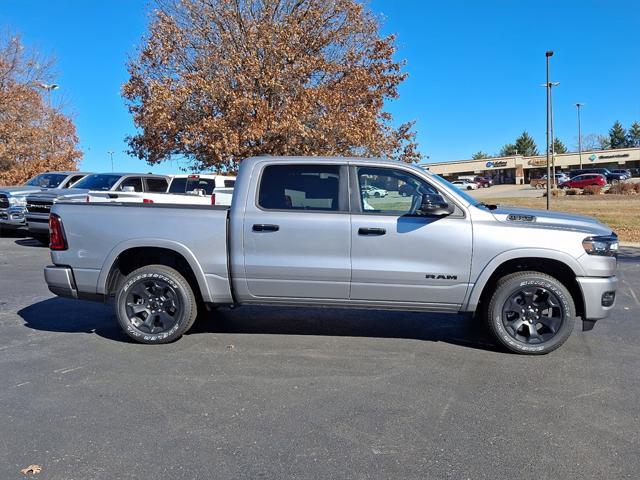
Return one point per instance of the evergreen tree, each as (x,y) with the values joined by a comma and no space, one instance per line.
(617,136)
(525,145)
(633,137)
(480,155)
(558,146)
(508,150)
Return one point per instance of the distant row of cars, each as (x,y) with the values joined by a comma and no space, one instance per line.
(27,206)
(585,177)
(472,182)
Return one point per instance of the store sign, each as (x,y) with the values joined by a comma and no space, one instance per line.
(614,155)
(593,157)
(537,162)
(496,164)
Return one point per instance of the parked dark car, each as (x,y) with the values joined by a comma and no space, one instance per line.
(623,171)
(585,180)
(608,174)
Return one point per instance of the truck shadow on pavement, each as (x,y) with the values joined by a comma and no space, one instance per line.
(73,316)
(264,320)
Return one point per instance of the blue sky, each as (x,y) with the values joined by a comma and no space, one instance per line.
(474,68)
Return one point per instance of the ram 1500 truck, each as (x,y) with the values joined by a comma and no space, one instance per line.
(39,203)
(301,232)
(13,200)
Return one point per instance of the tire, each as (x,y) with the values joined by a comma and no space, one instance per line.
(43,238)
(155,304)
(615,181)
(514,329)
(376,194)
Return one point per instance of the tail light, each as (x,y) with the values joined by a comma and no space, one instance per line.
(213,199)
(57,239)
(147,200)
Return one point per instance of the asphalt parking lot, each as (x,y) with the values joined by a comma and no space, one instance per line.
(307,394)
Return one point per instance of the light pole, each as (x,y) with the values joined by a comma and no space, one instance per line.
(548,54)
(553,147)
(48,87)
(110,153)
(578,106)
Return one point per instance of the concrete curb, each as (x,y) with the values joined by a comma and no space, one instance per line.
(630,244)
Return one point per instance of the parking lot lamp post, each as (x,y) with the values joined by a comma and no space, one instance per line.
(548,55)
(553,147)
(110,153)
(578,106)
(49,87)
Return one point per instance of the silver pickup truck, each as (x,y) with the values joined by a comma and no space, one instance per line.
(301,231)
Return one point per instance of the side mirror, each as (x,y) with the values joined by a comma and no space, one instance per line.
(434,205)
(128,188)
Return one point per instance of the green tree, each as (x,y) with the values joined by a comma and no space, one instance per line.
(558,146)
(633,137)
(508,150)
(526,145)
(618,136)
(479,155)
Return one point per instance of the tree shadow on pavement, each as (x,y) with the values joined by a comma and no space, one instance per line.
(73,316)
(266,320)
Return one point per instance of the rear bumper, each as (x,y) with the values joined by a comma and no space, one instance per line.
(599,296)
(60,281)
(13,217)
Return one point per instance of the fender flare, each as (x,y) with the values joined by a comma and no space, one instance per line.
(153,243)
(473,297)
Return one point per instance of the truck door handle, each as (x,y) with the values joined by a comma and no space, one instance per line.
(371,231)
(261,227)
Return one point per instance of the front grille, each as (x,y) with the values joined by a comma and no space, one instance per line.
(38,206)
(4,201)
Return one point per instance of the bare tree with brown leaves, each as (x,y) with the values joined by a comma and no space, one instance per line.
(217,81)
(34,135)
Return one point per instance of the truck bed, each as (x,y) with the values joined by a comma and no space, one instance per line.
(98,232)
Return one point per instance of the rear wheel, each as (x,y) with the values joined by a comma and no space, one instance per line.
(155,304)
(531,313)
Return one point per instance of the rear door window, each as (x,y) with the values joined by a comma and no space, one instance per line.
(156,185)
(300,187)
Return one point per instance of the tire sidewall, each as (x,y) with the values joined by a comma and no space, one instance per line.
(121,310)
(508,289)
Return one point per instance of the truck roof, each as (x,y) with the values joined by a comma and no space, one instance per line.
(318,159)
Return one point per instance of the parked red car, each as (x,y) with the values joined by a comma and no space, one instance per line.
(581,181)
(483,181)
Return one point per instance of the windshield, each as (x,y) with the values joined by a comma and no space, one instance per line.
(459,192)
(47,180)
(98,182)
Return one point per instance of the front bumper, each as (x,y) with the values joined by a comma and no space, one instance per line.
(599,296)
(13,217)
(38,223)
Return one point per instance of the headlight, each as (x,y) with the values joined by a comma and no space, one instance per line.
(606,245)
(18,201)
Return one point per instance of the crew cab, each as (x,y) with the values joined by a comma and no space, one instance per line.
(39,204)
(300,231)
(192,189)
(13,200)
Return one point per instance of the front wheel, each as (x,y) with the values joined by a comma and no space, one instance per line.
(155,304)
(531,313)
